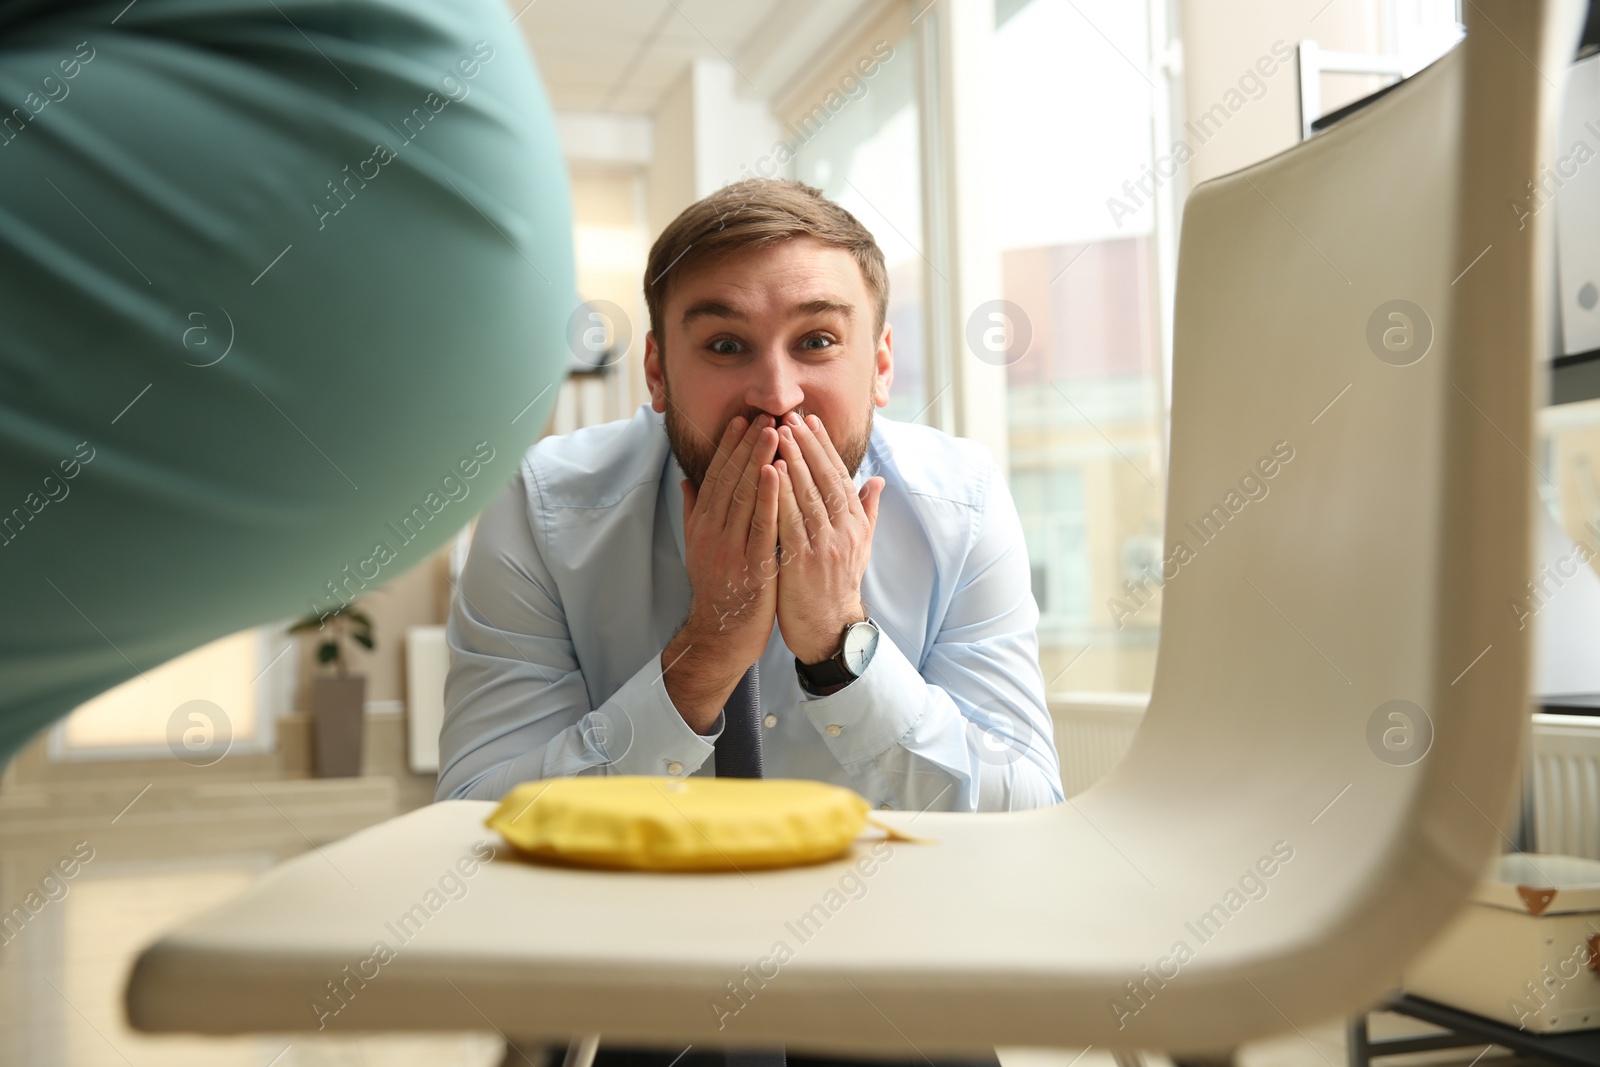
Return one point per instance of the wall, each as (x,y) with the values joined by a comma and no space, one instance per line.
(733,128)
(417,597)
(1222,42)
(670,177)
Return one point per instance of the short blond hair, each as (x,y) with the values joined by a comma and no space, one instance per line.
(751,213)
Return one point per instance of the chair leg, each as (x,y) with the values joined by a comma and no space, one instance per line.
(1358,1041)
(580,1053)
(526,1055)
(1214,1059)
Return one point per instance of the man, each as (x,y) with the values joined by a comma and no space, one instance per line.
(755,514)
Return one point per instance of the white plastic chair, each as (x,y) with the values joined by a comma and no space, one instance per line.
(1376,568)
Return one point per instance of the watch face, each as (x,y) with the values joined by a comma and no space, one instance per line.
(859,642)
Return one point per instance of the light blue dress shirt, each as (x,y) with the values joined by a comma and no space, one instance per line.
(576,582)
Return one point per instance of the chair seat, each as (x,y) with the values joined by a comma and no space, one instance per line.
(998,932)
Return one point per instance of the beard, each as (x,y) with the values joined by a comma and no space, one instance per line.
(694,452)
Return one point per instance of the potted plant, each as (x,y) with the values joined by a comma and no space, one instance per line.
(338,701)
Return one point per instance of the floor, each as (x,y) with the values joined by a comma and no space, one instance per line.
(149,844)
(1317,1046)
(63,975)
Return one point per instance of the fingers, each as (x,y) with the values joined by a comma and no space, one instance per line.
(720,497)
(835,490)
(814,424)
(742,508)
(810,487)
(791,526)
(734,470)
(763,541)
(871,494)
(730,437)
(813,510)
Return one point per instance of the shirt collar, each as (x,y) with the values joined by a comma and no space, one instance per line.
(672,474)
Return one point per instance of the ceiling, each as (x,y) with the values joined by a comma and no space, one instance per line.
(621,56)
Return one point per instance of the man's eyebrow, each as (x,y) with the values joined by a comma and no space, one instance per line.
(816,307)
(711,309)
(717,309)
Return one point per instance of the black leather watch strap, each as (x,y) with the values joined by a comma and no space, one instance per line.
(822,679)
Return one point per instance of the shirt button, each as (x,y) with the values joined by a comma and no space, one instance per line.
(834,729)
(674,767)
(770,720)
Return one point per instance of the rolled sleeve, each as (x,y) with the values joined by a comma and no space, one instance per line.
(659,740)
(517,705)
(967,729)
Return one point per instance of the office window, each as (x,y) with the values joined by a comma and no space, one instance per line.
(219,698)
(1569,460)
(866,157)
(1075,218)
(1050,501)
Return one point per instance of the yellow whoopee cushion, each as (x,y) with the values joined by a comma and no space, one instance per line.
(640,822)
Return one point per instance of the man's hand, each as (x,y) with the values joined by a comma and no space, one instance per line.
(730,542)
(826,530)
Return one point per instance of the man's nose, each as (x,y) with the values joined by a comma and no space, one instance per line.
(774,386)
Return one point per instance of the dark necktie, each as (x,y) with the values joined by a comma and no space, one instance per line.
(738,751)
(738,748)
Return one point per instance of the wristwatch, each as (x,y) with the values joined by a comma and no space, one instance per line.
(856,647)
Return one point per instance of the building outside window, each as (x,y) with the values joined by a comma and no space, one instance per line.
(867,158)
(1074,207)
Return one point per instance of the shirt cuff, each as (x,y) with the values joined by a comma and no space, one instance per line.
(867,717)
(652,737)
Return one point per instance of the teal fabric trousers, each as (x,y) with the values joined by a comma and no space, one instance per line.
(283,298)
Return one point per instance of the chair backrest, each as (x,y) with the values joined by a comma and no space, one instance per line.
(1349,510)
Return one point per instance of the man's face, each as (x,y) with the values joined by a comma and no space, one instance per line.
(778,328)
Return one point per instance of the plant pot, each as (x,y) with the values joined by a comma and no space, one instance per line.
(337,715)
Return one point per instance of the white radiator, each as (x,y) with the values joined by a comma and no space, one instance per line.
(1566,785)
(1093,730)
(427,660)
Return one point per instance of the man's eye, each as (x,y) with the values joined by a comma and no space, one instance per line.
(825,341)
(731,349)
